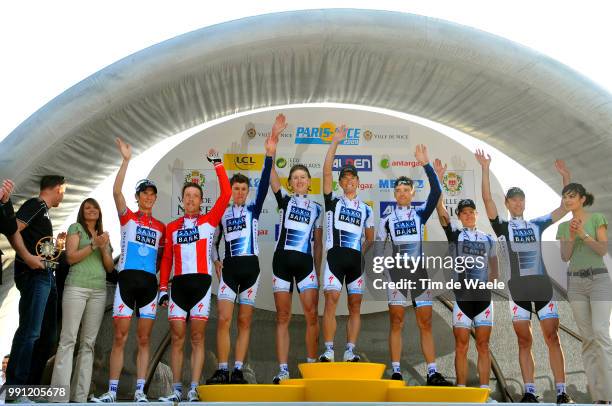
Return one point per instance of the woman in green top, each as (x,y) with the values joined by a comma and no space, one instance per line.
(90,257)
(584,243)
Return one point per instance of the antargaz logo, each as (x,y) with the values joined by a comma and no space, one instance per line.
(244,162)
(386,163)
(323,134)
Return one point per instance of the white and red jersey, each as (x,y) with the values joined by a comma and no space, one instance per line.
(189,240)
(141,237)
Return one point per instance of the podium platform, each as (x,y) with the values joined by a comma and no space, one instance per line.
(340,382)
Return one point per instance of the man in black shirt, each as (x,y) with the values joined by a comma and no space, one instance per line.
(8,226)
(37,332)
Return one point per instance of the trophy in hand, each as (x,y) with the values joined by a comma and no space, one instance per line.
(49,249)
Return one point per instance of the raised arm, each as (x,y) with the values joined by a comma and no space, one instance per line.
(226,191)
(126,153)
(485,162)
(266,176)
(434,185)
(566,177)
(328,179)
(443,215)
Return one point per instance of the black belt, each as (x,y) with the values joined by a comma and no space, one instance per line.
(587,273)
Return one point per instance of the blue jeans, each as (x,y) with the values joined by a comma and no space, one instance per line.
(36,335)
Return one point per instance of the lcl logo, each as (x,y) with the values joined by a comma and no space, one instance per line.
(244,160)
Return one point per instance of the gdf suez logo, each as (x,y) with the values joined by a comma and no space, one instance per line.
(360,162)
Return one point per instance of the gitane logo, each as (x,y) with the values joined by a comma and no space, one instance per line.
(452,183)
(281,162)
(243,162)
(195,176)
(324,133)
(315,185)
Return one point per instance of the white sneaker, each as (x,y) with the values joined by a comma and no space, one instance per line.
(174,397)
(327,356)
(350,356)
(108,397)
(282,375)
(140,397)
(192,396)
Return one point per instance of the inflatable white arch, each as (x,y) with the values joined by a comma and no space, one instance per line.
(526,104)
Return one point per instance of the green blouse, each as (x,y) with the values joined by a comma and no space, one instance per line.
(88,273)
(583,256)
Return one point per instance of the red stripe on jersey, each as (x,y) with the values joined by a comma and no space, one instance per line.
(178,259)
(202,256)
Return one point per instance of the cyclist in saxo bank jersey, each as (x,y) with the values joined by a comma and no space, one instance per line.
(347,220)
(189,244)
(530,287)
(297,258)
(141,246)
(239,272)
(404,228)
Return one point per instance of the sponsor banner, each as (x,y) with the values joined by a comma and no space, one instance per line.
(386,134)
(363,163)
(315,185)
(203,177)
(323,133)
(283,162)
(457,185)
(263,130)
(243,162)
(389,184)
(386,162)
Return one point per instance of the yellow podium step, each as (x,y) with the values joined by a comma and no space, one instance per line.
(344,390)
(437,394)
(341,382)
(251,393)
(342,370)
